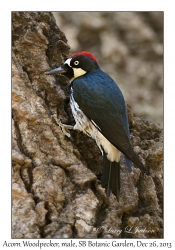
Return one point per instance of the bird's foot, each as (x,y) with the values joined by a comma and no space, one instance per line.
(65,128)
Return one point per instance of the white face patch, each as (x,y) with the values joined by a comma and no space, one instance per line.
(68,62)
(77,71)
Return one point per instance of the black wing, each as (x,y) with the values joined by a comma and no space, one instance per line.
(104,104)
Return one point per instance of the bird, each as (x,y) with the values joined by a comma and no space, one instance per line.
(99,110)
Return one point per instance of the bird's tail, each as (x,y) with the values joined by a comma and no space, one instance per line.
(111,177)
(132,156)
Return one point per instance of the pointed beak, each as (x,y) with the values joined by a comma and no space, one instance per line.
(59,70)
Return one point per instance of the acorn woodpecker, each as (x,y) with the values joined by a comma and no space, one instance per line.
(99,110)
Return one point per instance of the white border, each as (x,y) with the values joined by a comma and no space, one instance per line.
(5,93)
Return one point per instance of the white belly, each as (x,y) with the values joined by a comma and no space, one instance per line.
(92,130)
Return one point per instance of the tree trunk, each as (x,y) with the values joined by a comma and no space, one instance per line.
(56,190)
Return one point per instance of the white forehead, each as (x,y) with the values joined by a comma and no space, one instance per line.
(68,61)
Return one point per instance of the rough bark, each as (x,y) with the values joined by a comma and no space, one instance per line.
(56,191)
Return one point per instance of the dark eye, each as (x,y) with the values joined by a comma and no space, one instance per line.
(76,63)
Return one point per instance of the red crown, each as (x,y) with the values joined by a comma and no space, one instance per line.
(84,53)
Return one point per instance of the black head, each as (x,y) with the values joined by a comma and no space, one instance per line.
(77,65)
